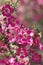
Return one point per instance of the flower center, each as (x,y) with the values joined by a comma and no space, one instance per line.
(25,36)
(36,57)
(7,10)
(22,52)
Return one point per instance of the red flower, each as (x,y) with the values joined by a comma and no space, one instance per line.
(36,57)
(7,10)
(22,53)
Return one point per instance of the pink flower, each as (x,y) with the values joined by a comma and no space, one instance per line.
(36,57)
(25,36)
(36,40)
(22,53)
(3,45)
(12,20)
(36,43)
(7,10)
(11,34)
(10,61)
(11,29)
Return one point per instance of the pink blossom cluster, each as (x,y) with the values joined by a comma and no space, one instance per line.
(27,40)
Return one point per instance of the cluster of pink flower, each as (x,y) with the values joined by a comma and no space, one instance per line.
(27,40)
